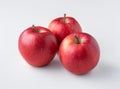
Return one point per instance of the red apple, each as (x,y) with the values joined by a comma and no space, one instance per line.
(63,26)
(79,53)
(37,45)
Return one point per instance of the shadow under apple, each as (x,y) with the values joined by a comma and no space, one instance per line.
(103,72)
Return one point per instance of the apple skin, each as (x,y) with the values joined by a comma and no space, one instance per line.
(79,53)
(37,45)
(63,26)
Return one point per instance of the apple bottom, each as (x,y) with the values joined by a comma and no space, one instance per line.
(38,54)
(39,60)
(76,64)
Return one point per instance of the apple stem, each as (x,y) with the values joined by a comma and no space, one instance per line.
(35,29)
(64,17)
(77,41)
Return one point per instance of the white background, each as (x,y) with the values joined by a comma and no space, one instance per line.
(100,18)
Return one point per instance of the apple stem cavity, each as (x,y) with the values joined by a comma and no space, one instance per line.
(77,41)
(35,29)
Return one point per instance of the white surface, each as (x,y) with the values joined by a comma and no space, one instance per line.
(100,18)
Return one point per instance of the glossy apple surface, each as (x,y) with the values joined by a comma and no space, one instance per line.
(79,53)
(37,45)
(63,26)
